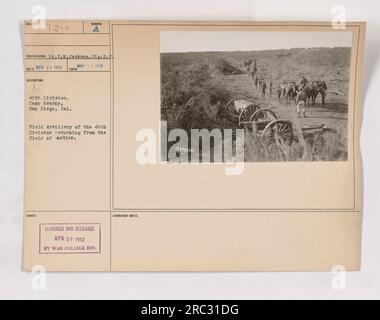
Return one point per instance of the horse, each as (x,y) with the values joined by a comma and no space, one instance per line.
(290,93)
(318,87)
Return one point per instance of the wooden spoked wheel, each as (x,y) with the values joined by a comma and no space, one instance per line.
(263,115)
(229,105)
(277,137)
(247,112)
(278,131)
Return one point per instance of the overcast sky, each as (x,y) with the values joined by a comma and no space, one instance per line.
(185,41)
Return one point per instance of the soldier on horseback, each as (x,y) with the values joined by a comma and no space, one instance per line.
(303,82)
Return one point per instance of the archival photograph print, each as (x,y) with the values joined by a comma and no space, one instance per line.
(267,96)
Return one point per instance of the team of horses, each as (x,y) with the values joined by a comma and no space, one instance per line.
(301,93)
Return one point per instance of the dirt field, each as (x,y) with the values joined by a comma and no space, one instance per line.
(195,88)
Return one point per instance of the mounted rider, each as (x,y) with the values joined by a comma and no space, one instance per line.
(303,82)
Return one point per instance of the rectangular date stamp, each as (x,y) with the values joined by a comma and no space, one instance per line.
(69,238)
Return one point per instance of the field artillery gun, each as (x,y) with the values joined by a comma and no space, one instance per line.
(274,133)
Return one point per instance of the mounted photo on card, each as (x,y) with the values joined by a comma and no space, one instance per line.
(192,146)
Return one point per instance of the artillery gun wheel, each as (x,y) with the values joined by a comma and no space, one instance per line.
(278,130)
(277,137)
(247,112)
(229,104)
(263,115)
